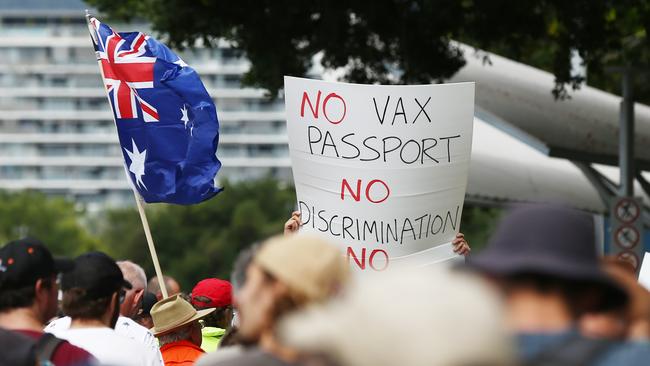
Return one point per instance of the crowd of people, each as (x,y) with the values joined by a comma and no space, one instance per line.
(538,294)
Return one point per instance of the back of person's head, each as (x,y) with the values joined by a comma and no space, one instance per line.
(171,285)
(549,250)
(144,316)
(418,317)
(28,275)
(214,293)
(135,275)
(243,260)
(93,290)
(286,274)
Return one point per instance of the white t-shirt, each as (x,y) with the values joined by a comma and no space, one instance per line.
(124,327)
(108,347)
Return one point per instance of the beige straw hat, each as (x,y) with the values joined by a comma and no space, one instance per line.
(174,312)
(311,267)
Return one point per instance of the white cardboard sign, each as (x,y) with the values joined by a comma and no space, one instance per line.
(381,170)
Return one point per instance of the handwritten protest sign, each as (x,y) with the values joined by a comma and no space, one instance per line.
(381,170)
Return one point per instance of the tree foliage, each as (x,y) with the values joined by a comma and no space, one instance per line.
(198,241)
(193,242)
(52,220)
(403,41)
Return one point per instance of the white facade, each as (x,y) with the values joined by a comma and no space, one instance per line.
(56,127)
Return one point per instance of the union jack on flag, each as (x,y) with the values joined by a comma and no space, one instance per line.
(126,68)
(166,120)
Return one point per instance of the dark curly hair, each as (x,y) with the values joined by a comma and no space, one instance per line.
(77,305)
(21,297)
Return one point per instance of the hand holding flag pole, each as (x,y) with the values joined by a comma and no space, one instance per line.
(166,121)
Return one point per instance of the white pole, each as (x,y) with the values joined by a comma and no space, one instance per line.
(138,199)
(152,248)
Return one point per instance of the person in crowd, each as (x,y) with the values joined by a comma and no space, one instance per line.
(17,349)
(543,259)
(28,298)
(213,293)
(360,327)
(144,317)
(129,308)
(176,325)
(171,284)
(135,275)
(238,278)
(631,321)
(92,294)
(231,338)
(286,274)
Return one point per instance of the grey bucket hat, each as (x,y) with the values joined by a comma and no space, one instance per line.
(547,240)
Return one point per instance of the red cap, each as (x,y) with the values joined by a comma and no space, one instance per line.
(217,292)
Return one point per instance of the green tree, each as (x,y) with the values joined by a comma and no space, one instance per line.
(198,241)
(52,220)
(478,223)
(403,41)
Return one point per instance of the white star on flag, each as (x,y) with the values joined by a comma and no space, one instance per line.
(137,163)
(184,116)
(185,119)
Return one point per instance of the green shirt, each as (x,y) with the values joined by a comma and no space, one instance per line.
(211,338)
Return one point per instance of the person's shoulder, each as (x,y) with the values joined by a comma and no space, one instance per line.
(58,325)
(242,357)
(130,348)
(123,321)
(133,329)
(630,353)
(69,354)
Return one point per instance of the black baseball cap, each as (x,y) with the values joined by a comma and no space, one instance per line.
(148,301)
(24,261)
(97,273)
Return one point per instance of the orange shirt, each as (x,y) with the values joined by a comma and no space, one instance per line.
(182,353)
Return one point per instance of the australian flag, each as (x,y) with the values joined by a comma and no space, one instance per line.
(166,121)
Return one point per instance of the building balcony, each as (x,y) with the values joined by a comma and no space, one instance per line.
(106,138)
(117,161)
(103,115)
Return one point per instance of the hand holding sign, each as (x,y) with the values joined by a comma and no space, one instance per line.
(381,170)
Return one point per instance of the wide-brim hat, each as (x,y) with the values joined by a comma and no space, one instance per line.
(548,240)
(309,266)
(173,313)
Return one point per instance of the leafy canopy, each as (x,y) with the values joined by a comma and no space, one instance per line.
(401,41)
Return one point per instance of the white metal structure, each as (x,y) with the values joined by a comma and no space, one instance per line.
(582,128)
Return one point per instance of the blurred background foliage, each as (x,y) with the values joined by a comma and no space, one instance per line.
(193,242)
(409,41)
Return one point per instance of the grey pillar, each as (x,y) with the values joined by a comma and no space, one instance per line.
(626,136)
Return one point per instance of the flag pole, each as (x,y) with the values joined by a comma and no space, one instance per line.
(152,248)
(138,199)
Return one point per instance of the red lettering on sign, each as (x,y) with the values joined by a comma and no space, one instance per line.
(305,98)
(376,263)
(316,106)
(345,108)
(372,182)
(356,195)
(344,184)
